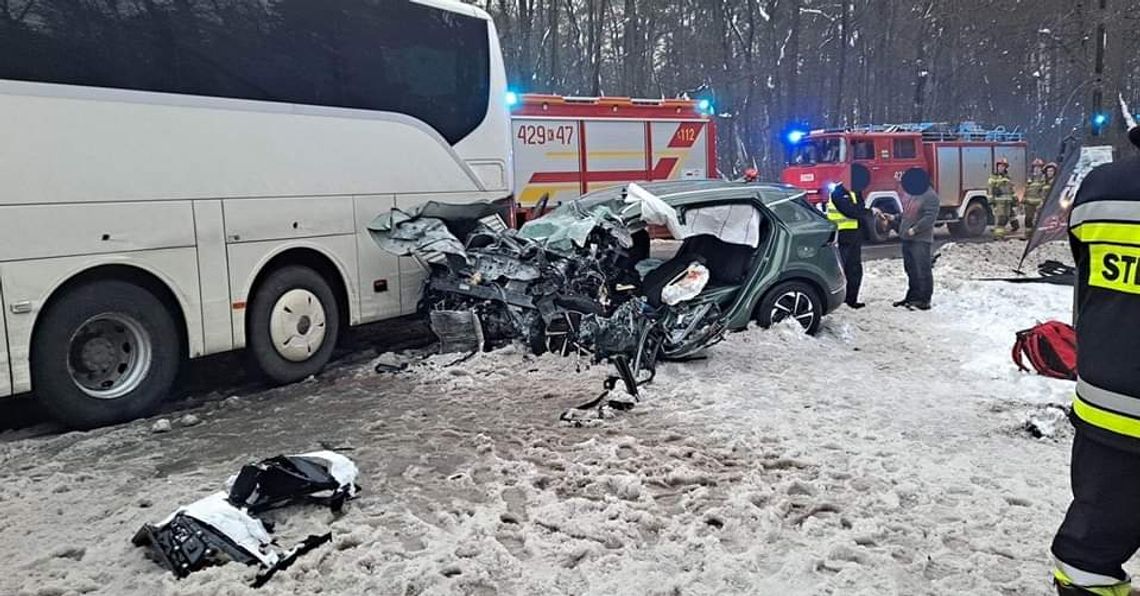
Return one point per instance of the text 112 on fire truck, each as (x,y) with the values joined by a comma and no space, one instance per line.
(958,158)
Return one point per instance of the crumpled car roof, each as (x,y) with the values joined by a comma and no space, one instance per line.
(569,227)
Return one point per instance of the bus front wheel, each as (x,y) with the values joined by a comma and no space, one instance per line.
(293,325)
(104,352)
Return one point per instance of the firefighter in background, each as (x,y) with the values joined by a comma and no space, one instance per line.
(751,175)
(1101,530)
(1036,191)
(848,212)
(1050,173)
(1002,197)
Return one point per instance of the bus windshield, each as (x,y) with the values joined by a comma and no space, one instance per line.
(824,150)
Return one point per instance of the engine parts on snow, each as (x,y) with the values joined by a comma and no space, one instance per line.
(223,527)
(1051,349)
(457,330)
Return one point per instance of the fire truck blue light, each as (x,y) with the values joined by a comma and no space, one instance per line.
(795,136)
(512,99)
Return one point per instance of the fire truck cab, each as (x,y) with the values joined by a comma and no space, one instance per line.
(959,160)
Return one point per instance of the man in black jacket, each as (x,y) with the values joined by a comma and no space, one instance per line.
(850,215)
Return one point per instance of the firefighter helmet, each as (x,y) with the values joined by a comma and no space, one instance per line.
(1052,166)
(1001,161)
(1038,163)
(751,175)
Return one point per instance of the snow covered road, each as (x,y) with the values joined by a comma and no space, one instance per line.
(885,456)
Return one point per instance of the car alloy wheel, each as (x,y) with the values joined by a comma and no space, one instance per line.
(794,304)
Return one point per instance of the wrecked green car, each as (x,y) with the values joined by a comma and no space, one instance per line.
(595,276)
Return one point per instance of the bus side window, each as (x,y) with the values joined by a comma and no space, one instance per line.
(863,149)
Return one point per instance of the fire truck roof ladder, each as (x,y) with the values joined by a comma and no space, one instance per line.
(942,131)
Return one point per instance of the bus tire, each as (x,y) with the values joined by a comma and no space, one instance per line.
(293,324)
(973,222)
(105,352)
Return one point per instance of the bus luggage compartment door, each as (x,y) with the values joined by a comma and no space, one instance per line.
(5,370)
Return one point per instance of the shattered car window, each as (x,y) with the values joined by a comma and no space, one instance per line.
(568,227)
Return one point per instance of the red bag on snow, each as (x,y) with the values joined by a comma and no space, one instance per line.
(1051,349)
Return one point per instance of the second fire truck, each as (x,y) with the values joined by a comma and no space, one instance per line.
(959,160)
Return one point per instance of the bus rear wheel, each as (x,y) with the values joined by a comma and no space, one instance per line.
(104,352)
(293,324)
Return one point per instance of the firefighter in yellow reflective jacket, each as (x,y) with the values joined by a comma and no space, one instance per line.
(1037,191)
(1002,198)
(1101,530)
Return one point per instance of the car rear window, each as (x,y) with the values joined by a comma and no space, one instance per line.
(795,209)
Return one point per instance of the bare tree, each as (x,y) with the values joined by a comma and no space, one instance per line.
(828,62)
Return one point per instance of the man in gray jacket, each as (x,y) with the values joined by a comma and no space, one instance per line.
(916,229)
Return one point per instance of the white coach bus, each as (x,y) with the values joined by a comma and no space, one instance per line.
(185,177)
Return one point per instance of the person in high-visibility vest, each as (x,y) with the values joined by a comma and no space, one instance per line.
(1101,530)
(847,211)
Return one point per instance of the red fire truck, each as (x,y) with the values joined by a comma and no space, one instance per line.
(959,160)
(565,147)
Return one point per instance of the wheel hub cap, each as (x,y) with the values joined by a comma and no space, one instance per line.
(109,355)
(297,325)
(795,305)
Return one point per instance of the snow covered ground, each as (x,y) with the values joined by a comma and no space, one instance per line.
(886,456)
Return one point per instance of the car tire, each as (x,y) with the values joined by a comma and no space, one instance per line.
(105,352)
(791,298)
(974,221)
(294,322)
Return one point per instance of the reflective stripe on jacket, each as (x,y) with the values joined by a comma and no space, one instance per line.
(1001,187)
(1104,233)
(1037,191)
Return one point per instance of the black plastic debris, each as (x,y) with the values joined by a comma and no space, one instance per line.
(307,545)
(285,479)
(224,526)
